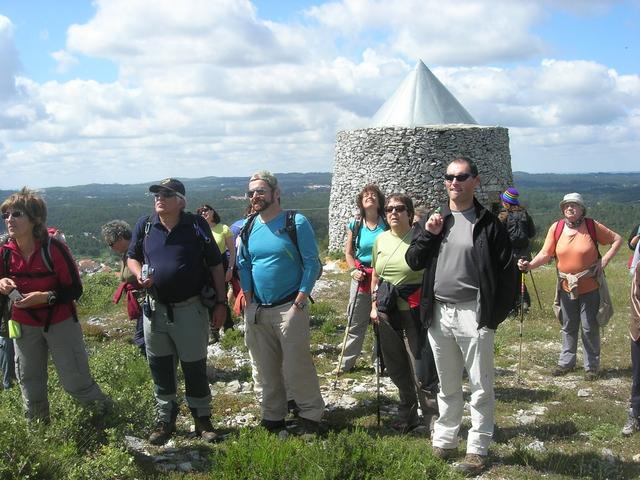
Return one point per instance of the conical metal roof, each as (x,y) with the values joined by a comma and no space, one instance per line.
(421,100)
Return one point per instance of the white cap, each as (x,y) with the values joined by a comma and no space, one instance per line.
(573,198)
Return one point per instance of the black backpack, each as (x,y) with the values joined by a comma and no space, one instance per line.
(289,226)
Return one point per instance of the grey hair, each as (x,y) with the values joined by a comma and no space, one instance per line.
(115,230)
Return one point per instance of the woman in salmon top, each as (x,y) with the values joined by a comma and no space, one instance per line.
(574,240)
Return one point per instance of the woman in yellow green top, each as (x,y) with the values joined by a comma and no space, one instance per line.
(395,309)
(224,239)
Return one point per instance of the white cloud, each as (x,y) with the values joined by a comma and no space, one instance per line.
(445,33)
(209,88)
(65,61)
(9,63)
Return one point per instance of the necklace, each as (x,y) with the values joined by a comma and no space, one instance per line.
(575,224)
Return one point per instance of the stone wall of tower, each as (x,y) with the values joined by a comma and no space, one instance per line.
(412,161)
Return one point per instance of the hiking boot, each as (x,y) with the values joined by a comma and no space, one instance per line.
(273,426)
(472,465)
(311,427)
(205,430)
(632,426)
(403,427)
(591,375)
(162,433)
(444,453)
(561,370)
(293,408)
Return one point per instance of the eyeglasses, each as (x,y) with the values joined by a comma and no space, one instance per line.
(164,194)
(260,191)
(14,214)
(461,178)
(395,208)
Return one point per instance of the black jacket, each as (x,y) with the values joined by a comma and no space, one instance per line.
(496,267)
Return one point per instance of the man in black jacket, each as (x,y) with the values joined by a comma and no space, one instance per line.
(467,292)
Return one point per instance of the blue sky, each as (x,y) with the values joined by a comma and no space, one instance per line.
(133,90)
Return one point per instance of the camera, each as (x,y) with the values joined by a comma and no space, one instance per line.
(15,295)
(146,272)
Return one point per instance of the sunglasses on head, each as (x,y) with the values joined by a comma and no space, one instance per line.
(260,191)
(14,214)
(461,178)
(395,208)
(164,194)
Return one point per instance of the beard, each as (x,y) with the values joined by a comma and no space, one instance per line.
(261,204)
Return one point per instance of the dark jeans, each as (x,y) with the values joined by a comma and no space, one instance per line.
(399,346)
(7,363)
(634,401)
(138,337)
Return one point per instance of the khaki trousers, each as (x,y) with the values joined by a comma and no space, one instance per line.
(65,343)
(278,339)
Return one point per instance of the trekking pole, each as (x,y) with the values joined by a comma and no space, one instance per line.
(378,357)
(522,288)
(346,334)
(535,289)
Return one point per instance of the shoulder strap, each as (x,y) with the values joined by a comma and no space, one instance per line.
(558,230)
(245,231)
(6,255)
(290,227)
(45,252)
(591,228)
(355,235)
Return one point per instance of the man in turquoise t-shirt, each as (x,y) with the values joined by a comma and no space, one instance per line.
(277,280)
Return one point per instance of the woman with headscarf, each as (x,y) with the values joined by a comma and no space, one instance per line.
(573,241)
(521,230)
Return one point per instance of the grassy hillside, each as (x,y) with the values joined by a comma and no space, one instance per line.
(556,428)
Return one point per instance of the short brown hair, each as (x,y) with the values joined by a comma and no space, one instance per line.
(29,202)
(406,201)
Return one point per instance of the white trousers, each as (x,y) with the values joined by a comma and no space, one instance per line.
(457,343)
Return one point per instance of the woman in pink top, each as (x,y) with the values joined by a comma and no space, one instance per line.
(573,241)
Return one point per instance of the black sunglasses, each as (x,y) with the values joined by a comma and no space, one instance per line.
(395,208)
(162,194)
(14,214)
(461,178)
(260,191)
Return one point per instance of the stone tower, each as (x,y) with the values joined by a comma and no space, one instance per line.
(412,138)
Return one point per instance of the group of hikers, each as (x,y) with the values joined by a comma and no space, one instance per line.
(434,287)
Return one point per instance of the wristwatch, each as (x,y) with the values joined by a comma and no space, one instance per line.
(52,298)
(300,305)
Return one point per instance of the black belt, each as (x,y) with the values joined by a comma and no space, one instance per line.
(277,303)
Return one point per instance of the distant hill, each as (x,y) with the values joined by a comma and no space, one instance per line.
(81,210)
(612,198)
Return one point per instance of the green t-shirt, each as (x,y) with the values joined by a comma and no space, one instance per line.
(220,233)
(388,260)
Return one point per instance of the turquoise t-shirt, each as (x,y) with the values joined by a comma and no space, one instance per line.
(367,237)
(272,267)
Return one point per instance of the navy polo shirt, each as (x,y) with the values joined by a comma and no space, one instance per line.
(177,257)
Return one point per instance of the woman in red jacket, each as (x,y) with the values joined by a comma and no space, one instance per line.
(42,271)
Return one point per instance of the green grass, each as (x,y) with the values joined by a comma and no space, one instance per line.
(81,444)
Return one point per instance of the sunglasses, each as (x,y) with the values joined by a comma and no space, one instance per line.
(260,191)
(395,208)
(461,178)
(14,214)
(161,194)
